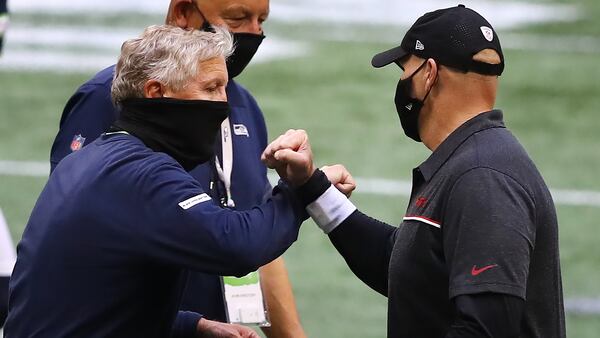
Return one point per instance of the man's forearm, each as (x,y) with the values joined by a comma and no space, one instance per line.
(281,305)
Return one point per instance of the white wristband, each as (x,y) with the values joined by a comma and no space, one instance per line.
(330,209)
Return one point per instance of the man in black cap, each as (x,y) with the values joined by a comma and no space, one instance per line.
(476,254)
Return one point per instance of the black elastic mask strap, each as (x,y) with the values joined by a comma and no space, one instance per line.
(206,26)
(486,68)
(415,73)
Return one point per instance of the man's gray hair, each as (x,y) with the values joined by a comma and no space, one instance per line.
(167,54)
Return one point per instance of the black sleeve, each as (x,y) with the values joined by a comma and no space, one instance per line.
(3,299)
(366,245)
(487,315)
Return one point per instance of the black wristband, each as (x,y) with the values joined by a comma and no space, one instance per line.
(316,185)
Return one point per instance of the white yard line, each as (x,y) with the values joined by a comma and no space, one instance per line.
(540,43)
(366,185)
(552,43)
(374,186)
(387,187)
(378,186)
(583,305)
(90,48)
(502,14)
(24,168)
(76,49)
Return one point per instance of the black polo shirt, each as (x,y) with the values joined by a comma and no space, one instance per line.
(480,219)
(480,225)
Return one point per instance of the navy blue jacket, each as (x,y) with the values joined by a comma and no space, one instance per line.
(89,113)
(3,298)
(109,241)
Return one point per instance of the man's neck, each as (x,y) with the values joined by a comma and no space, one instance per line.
(444,122)
(457,99)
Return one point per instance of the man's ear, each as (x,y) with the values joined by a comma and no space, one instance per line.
(431,73)
(180,12)
(153,89)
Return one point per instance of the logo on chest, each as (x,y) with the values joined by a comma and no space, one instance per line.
(240,130)
(421,202)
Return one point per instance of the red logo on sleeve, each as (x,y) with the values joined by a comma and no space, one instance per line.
(421,201)
(475,271)
(77,142)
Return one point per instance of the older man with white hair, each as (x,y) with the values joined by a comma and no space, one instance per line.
(235,175)
(108,245)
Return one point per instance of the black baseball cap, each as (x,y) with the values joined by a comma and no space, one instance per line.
(450,36)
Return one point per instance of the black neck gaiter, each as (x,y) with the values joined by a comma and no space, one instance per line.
(183,129)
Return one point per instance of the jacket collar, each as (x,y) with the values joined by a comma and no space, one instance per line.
(487,120)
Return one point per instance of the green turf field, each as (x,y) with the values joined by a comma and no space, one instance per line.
(551,102)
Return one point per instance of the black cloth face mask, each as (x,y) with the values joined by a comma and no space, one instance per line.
(245,44)
(184,129)
(408,108)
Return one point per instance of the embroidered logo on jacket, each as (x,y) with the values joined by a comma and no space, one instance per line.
(77,142)
(240,130)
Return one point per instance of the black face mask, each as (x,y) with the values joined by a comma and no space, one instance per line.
(246,45)
(184,129)
(408,108)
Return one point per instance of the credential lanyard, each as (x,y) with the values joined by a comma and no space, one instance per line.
(244,301)
(224,171)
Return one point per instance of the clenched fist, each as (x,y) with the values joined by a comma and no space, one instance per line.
(290,155)
(341,178)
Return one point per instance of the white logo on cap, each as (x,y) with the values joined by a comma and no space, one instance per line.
(419,46)
(488,33)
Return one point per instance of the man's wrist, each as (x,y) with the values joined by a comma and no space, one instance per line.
(201,327)
(330,209)
(186,324)
(313,188)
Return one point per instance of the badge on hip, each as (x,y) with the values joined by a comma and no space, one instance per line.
(244,300)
